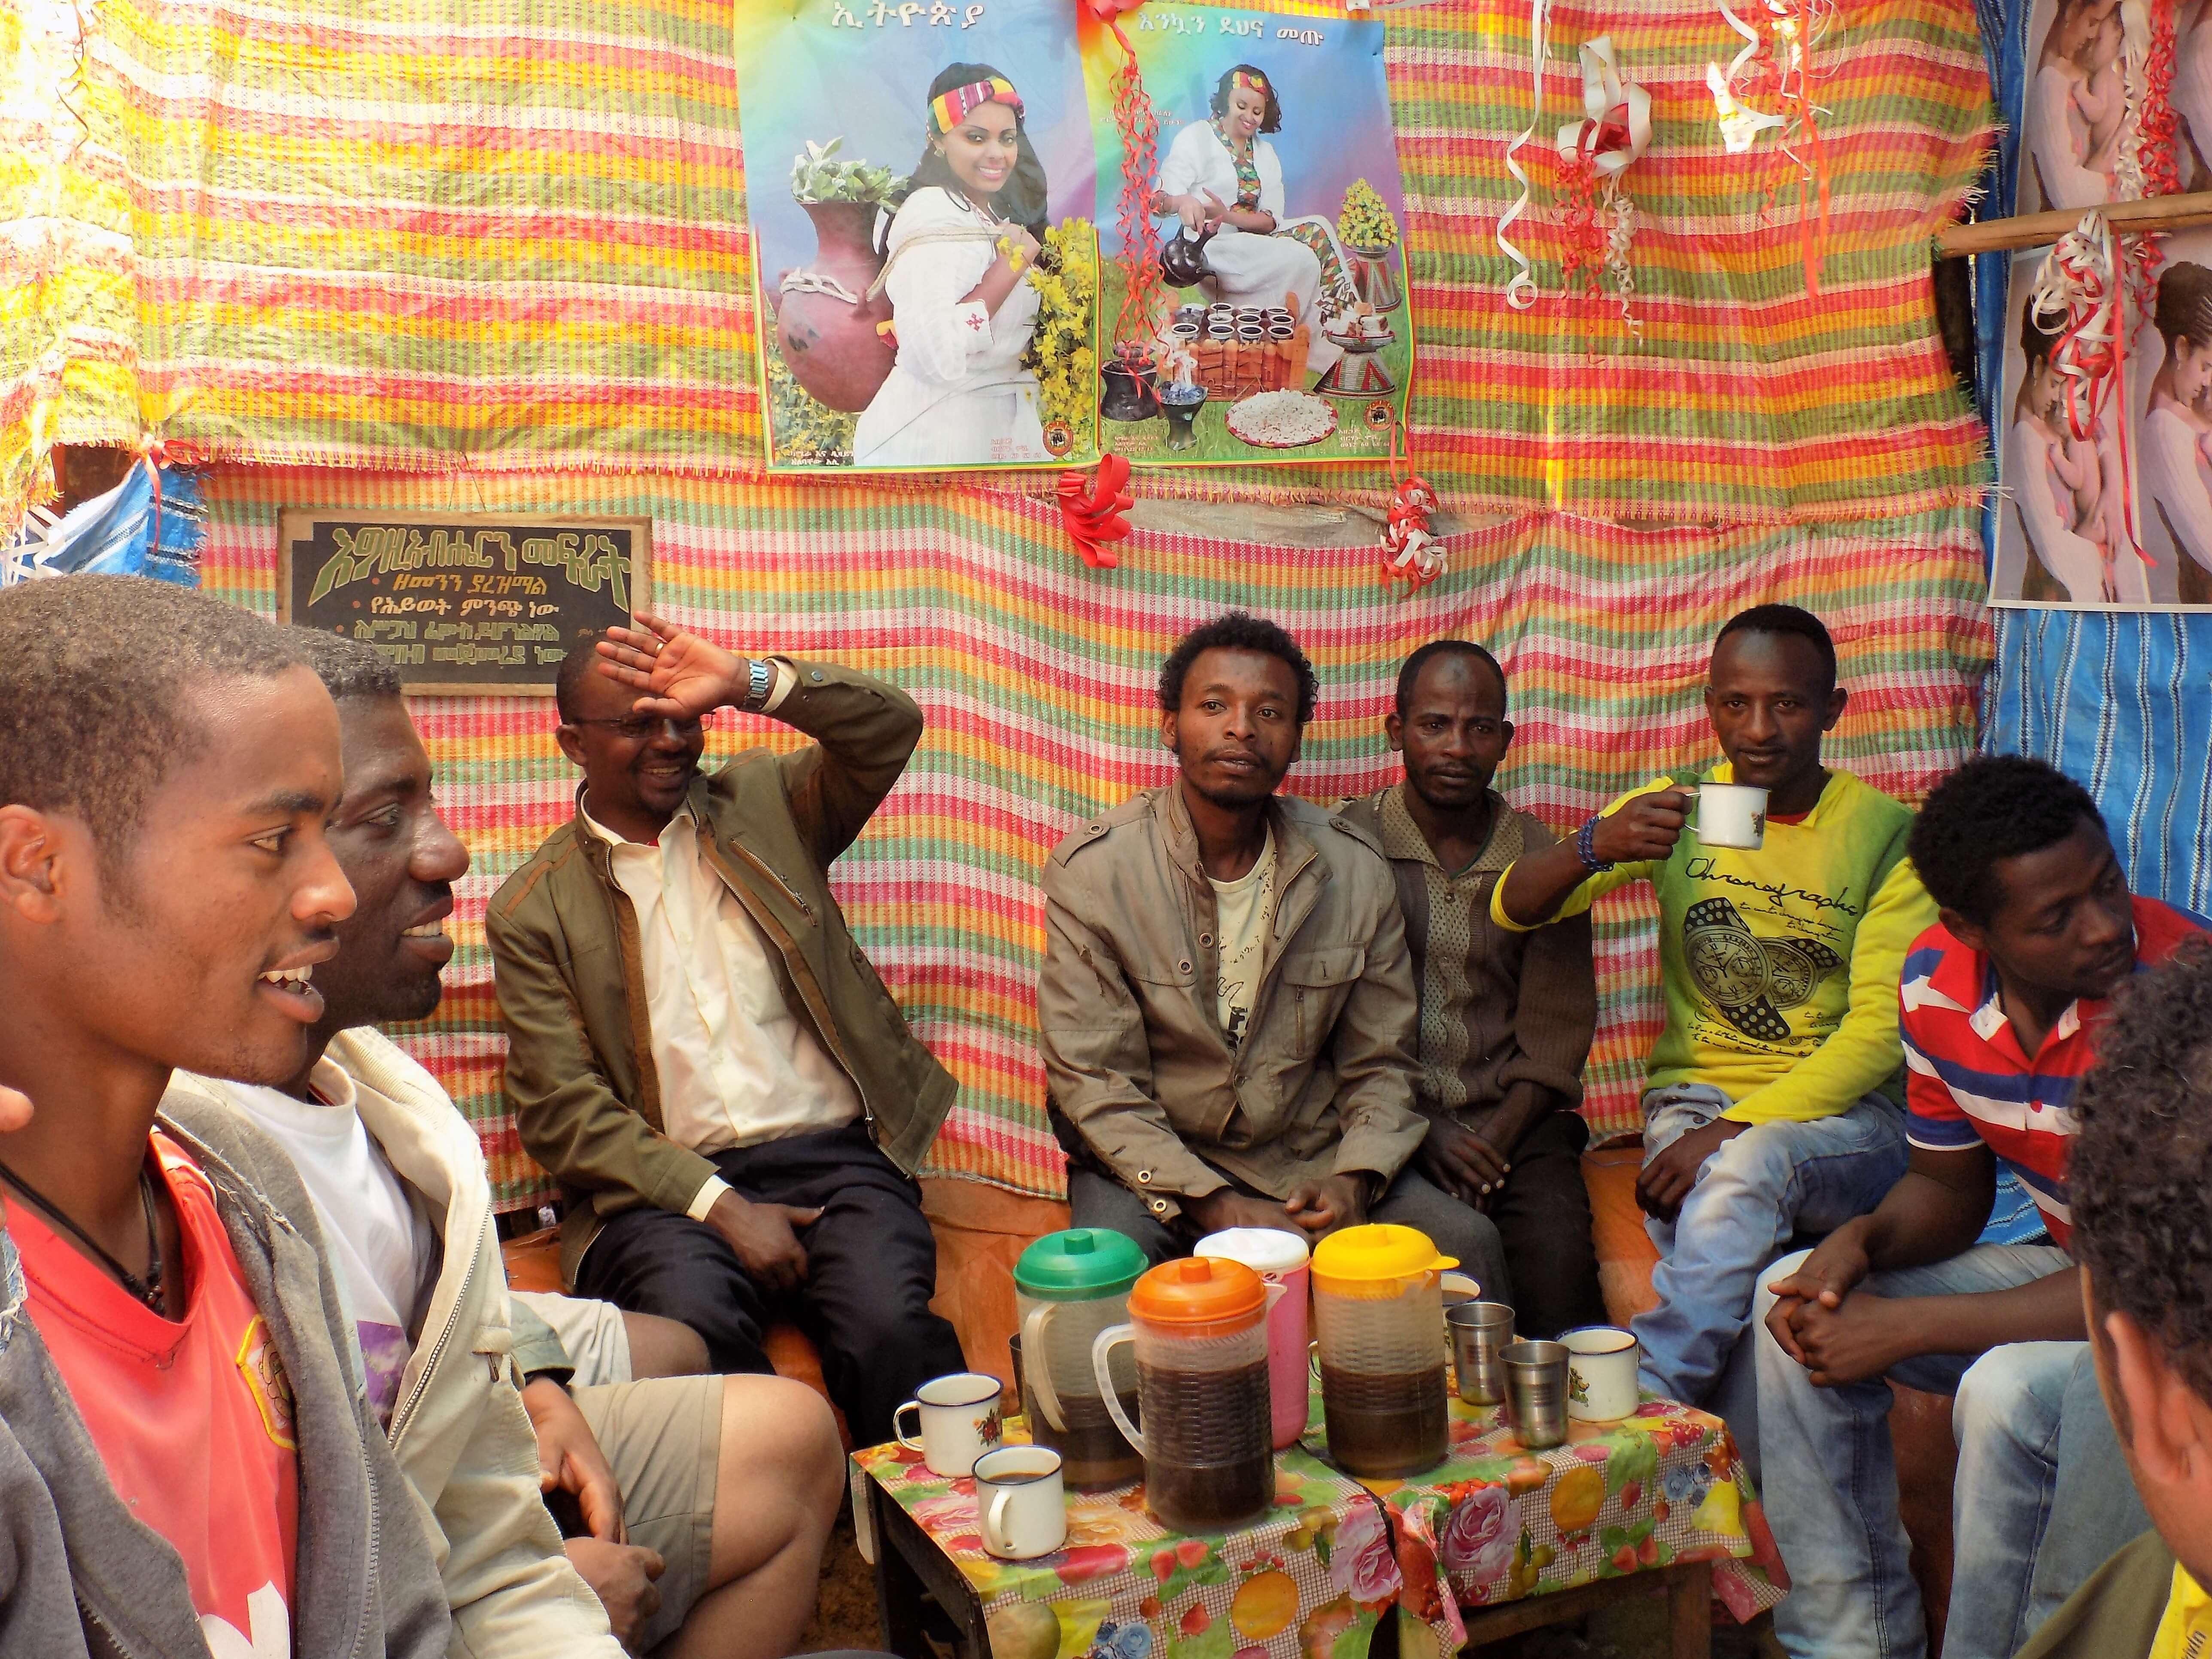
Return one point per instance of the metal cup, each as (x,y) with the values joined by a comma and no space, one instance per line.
(1536,1391)
(1479,1333)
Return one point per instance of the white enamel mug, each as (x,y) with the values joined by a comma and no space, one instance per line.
(1020,1510)
(1601,1362)
(960,1420)
(1731,814)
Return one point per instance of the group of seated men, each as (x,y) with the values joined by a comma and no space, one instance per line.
(262,1389)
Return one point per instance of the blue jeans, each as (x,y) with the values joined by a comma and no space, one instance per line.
(1754,1195)
(2034,1446)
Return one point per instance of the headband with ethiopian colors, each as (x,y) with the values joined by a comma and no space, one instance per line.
(949,109)
(1249,83)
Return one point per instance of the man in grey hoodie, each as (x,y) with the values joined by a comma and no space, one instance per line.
(187,1465)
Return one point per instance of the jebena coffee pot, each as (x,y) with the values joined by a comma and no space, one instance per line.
(1200,1330)
(1378,1317)
(1069,1287)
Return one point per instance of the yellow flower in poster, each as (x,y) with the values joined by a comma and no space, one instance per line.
(1060,355)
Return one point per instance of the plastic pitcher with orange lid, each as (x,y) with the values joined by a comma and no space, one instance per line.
(1200,1328)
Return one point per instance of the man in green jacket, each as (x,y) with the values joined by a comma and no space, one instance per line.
(2143,1236)
(698,1049)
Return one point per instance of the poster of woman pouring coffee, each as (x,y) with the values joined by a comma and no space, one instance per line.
(1279,331)
(928,274)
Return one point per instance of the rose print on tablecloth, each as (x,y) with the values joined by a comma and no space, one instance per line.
(1362,1562)
(1478,1538)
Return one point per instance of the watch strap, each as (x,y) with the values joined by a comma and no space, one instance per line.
(760,681)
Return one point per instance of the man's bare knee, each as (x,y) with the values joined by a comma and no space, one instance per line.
(663,1347)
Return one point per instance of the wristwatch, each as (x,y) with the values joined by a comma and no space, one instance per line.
(1586,849)
(760,681)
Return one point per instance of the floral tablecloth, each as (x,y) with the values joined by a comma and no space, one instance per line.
(1308,1581)
(1495,1523)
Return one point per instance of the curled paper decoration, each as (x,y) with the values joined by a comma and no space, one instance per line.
(1092,521)
(1411,554)
(1775,61)
(1521,287)
(2077,296)
(1594,153)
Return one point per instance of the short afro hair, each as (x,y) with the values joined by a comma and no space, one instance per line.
(1238,630)
(568,678)
(1410,672)
(351,671)
(95,673)
(1778,619)
(1995,807)
(2136,1175)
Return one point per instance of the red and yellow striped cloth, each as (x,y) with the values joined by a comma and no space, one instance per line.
(1036,675)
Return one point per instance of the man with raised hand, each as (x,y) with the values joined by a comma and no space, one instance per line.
(1506,1016)
(698,1049)
(705,1500)
(2003,1002)
(1769,1106)
(1226,1011)
(2144,1236)
(186,1462)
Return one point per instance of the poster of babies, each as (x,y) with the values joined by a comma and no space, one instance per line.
(2086,521)
(2087,77)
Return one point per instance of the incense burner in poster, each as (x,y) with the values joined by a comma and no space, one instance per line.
(1280,331)
(927,268)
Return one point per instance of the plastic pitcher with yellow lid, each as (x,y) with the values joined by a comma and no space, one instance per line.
(1378,1317)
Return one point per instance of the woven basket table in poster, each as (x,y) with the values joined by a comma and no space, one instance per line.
(1309,1580)
(1495,1523)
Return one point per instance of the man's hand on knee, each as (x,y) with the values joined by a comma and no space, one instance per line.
(621,1576)
(1830,1271)
(1864,1338)
(1667,1175)
(764,1238)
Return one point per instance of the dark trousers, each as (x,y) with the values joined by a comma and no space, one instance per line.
(1543,1217)
(871,1270)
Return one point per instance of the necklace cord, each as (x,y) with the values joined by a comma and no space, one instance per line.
(148,1289)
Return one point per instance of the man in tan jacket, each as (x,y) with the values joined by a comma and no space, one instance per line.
(1227,1012)
(700,1503)
(698,1048)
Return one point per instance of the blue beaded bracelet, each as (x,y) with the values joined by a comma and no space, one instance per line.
(1586,848)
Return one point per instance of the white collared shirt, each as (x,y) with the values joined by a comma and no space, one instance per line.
(736,1067)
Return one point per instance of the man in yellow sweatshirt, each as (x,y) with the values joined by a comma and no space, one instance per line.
(1771,1098)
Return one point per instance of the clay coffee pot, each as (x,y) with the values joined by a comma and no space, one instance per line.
(1183,260)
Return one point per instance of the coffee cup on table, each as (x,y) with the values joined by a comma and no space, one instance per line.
(1602,1361)
(1021,1510)
(1730,814)
(959,1420)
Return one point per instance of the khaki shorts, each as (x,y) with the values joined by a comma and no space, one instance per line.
(592,1332)
(663,1437)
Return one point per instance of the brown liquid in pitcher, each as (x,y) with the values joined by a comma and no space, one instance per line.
(1208,1465)
(1093,1456)
(1385,1423)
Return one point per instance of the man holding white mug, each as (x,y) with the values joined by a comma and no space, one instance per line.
(1770,1098)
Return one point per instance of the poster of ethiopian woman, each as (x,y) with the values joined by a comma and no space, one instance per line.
(928,268)
(1278,329)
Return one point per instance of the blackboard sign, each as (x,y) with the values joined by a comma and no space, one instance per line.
(485,603)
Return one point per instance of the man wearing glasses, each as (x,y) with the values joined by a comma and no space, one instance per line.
(697,1049)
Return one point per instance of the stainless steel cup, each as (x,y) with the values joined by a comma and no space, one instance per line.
(1479,1333)
(1536,1391)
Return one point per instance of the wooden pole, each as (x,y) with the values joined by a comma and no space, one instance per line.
(2033,229)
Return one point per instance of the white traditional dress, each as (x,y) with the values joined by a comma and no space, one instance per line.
(957,395)
(1301,258)
(2170,468)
